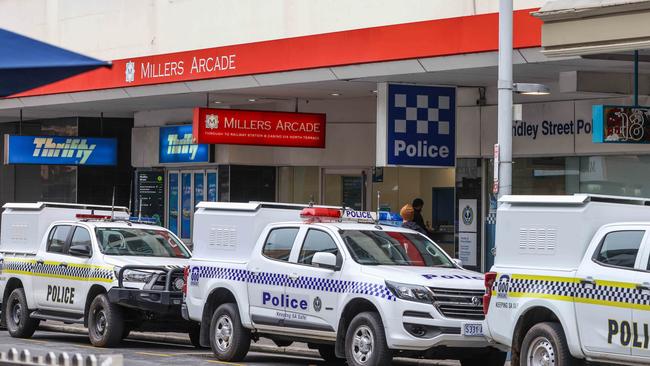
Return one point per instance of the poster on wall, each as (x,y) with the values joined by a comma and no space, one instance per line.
(621,124)
(467,248)
(186,205)
(467,215)
(172,203)
(150,194)
(416,126)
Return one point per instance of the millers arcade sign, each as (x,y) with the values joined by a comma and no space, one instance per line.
(621,124)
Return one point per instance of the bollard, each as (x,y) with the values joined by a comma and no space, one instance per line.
(50,359)
(64,359)
(91,360)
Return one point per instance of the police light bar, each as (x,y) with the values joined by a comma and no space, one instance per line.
(320,212)
(390,218)
(92,217)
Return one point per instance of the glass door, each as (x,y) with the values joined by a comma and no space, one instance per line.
(346,187)
(185,189)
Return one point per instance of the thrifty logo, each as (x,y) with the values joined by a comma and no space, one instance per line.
(45,147)
(182,146)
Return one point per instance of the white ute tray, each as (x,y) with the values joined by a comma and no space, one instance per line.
(25,224)
(553,232)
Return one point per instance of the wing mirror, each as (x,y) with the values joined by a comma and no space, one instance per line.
(80,251)
(324,260)
(458,262)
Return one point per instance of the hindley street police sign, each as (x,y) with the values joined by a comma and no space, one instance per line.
(420,128)
(60,150)
(177,145)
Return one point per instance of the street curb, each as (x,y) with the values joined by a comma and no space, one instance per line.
(168,338)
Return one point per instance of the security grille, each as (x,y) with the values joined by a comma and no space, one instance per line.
(459,303)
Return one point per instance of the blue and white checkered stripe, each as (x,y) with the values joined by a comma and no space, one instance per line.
(302,282)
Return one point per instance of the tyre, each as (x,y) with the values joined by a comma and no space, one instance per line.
(105,322)
(195,336)
(365,341)
(229,339)
(17,319)
(327,353)
(545,344)
(492,358)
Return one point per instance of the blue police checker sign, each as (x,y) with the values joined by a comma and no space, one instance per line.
(60,150)
(421,126)
(177,146)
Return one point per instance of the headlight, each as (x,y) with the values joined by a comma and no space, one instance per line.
(131,275)
(410,292)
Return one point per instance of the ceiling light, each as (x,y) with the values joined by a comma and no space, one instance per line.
(217,102)
(252,99)
(335,94)
(530,89)
(375,91)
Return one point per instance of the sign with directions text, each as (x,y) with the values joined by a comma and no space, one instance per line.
(262,128)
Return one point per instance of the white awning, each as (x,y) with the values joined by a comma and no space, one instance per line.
(580,27)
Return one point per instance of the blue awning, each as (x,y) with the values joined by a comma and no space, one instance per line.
(26,63)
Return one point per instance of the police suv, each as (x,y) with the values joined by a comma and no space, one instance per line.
(91,265)
(361,291)
(571,280)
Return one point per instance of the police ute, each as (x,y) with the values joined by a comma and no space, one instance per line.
(92,265)
(571,280)
(341,281)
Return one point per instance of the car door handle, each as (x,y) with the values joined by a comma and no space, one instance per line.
(294,276)
(588,281)
(643,286)
(64,265)
(40,262)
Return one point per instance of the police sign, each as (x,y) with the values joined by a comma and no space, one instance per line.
(60,150)
(420,127)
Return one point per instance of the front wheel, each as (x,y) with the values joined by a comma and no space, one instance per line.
(545,344)
(105,322)
(16,315)
(229,339)
(365,341)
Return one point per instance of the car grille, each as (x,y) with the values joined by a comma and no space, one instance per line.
(159,284)
(459,303)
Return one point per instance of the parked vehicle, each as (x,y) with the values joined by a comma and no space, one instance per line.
(90,265)
(361,291)
(571,280)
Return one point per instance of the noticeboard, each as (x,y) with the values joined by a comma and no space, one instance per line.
(150,194)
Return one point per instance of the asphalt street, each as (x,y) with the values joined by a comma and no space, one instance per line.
(147,353)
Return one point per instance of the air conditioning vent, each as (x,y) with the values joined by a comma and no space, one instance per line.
(538,240)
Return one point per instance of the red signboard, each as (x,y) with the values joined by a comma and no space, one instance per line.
(467,34)
(242,127)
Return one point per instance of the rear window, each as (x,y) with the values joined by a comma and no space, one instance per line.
(279,243)
(620,248)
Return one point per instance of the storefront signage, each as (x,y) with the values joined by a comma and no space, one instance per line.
(476,33)
(420,126)
(150,194)
(242,127)
(621,124)
(60,150)
(177,146)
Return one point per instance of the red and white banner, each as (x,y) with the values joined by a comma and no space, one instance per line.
(264,128)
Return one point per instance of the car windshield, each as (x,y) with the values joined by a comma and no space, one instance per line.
(140,242)
(374,247)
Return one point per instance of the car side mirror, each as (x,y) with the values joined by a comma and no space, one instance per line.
(80,250)
(324,260)
(458,262)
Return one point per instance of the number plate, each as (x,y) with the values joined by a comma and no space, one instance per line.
(473,329)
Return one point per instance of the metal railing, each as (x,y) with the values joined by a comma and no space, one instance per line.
(24,357)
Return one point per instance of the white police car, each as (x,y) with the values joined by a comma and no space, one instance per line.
(366,292)
(91,265)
